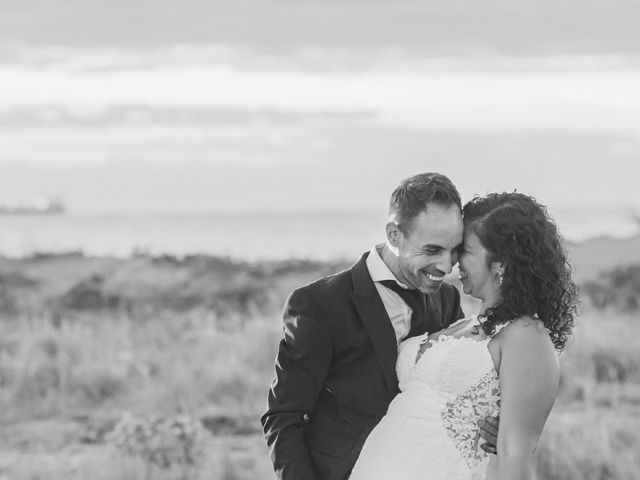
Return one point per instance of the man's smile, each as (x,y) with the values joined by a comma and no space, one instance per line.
(432,277)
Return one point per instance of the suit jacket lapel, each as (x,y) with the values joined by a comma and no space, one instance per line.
(375,319)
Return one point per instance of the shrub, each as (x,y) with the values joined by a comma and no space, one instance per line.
(618,288)
(98,383)
(162,443)
(89,294)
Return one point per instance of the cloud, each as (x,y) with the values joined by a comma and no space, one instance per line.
(578,97)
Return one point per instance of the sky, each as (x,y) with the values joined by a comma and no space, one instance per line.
(219,106)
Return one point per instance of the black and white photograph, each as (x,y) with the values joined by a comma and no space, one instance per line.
(319,240)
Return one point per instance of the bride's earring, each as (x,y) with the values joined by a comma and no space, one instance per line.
(500,276)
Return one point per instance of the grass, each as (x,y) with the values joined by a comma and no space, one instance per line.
(67,376)
(593,430)
(145,286)
(590,443)
(165,365)
(104,366)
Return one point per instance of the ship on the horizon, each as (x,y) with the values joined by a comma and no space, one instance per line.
(41,206)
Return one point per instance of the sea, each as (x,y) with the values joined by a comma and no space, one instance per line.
(86,122)
(247,235)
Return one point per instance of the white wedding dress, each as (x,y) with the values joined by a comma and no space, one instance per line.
(430,431)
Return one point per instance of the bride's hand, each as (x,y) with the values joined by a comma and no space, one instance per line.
(489,433)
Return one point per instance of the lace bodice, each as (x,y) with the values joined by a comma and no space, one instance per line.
(431,428)
(450,364)
(462,372)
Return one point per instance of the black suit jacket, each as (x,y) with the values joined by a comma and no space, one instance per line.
(335,373)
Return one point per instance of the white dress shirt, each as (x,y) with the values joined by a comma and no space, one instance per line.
(399,312)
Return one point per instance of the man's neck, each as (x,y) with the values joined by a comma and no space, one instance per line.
(390,260)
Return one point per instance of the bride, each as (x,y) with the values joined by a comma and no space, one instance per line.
(502,361)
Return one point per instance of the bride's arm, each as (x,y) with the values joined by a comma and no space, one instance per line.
(529,380)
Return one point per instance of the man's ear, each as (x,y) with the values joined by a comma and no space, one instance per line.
(393,233)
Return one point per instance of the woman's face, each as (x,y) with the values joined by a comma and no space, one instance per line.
(475,272)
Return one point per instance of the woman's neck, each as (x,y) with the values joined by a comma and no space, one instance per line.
(488,302)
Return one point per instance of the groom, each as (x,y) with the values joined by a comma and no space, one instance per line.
(335,368)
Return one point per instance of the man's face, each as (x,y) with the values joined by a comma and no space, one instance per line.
(427,248)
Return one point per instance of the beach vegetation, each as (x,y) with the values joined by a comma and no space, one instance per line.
(70,367)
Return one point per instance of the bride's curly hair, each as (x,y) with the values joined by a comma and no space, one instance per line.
(517,231)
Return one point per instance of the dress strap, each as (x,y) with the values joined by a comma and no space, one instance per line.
(471,317)
(499,327)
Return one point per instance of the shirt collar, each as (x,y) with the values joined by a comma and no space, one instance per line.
(378,269)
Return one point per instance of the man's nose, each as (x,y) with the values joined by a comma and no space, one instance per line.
(445,265)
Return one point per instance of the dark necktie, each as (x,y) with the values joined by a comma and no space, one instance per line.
(417,301)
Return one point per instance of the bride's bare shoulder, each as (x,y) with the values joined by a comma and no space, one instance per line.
(526,331)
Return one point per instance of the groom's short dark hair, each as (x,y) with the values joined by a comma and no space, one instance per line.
(415,193)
